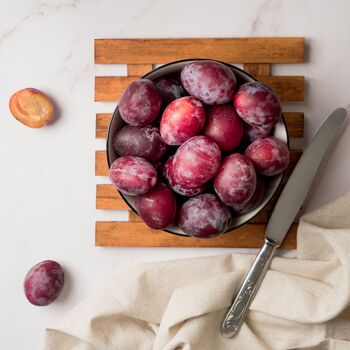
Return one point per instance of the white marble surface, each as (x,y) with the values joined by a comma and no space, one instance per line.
(47,185)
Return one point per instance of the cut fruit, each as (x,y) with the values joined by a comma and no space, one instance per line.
(31,107)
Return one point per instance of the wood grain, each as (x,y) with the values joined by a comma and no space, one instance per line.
(288,88)
(295,124)
(257,55)
(101,165)
(138,70)
(232,50)
(137,234)
(108,198)
(257,69)
(294,121)
(102,125)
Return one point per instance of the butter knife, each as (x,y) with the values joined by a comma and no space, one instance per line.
(287,207)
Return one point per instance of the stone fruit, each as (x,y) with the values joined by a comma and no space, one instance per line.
(204,216)
(44,283)
(133,175)
(31,107)
(140,103)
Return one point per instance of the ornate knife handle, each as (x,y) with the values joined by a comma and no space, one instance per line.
(247,291)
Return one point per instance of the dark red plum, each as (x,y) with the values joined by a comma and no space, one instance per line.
(212,82)
(168,175)
(181,120)
(256,199)
(140,103)
(44,283)
(257,104)
(204,216)
(133,175)
(157,208)
(269,155)
(170,89)
(253,133)
(224,126)
(144,142)
(196,162)
(235,182)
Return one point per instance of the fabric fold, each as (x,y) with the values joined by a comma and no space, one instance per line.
(303,302)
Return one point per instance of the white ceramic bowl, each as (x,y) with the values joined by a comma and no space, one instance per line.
(280,132)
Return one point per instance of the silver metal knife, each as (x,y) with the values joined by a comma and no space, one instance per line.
(287,207)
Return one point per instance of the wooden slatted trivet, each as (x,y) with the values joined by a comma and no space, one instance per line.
(257,55)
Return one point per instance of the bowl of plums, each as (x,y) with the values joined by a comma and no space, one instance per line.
(197,147)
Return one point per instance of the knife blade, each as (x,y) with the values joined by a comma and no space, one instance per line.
(299,183)
(287,207)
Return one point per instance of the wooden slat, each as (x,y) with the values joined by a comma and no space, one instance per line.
(294,121)
(257,69)
(102,124)
(288,88)
(295,124)
(233,50)
(137,234)
(133,217)
(137,70)
(101,166)
(108,198)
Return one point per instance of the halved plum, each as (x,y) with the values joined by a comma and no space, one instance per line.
(31,107)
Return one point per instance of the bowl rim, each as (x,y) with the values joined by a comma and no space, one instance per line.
(191,60)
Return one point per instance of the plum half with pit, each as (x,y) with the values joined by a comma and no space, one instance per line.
(170,89)
(44,283)
(224,126)
(196,161)
(144,142)
(204,216)
(133,175)
(181,120)
(31,107)
(140,103)
(210,81)
(235,181)
(269,155)
(257,104)
(157,208)
(168,175)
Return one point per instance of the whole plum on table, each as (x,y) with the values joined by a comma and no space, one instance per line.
(144,142)
(157,208)
(235,181)
(257,104)
(196,161)
(170,89)
(133,175)
(210,81)
(204,216)
(181,120)
(269,155)
(168,175)
(44,283)
(140,103)
(224,126)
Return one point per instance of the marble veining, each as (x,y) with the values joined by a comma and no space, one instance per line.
(47,193)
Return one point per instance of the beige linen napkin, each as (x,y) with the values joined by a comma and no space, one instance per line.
(303,303)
